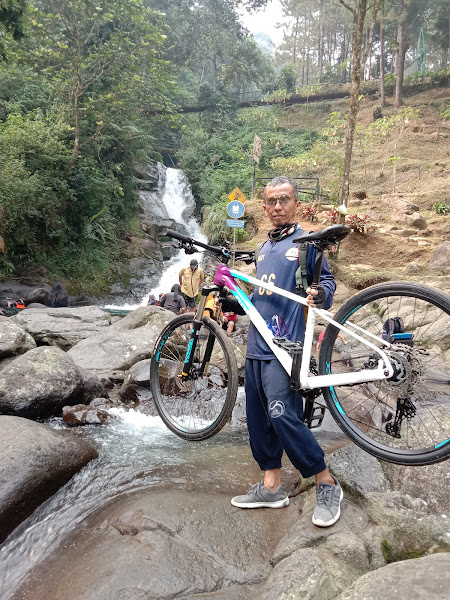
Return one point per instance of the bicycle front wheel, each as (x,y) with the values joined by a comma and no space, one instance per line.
(196,408)
(404,419)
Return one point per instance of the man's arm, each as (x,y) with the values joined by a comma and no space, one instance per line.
(180,276)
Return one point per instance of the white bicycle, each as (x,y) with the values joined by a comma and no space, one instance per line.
(390,396)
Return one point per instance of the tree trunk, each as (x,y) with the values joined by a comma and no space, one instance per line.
(382,62)
(320,48)
(369,39)
(400,55)
(359,15)
(294,49)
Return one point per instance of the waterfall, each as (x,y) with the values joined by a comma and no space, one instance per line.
(178,201)
(168,202)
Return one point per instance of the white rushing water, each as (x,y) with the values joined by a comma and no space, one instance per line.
(136,452)
(177,198)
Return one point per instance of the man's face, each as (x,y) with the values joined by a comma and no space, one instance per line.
(280,213)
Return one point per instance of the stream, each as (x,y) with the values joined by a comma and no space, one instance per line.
(136,452)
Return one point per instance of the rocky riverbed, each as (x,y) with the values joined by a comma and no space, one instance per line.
(176,535)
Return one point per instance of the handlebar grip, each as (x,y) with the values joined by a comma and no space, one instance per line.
(178,236)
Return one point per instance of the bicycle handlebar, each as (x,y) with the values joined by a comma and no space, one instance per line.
(224,252)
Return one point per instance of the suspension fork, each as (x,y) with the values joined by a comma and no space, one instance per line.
(196,326)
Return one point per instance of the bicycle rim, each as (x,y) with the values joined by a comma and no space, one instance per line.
(405,419)
(198,408)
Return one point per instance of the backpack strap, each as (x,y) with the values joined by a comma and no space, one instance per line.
(258,250)
(302,271)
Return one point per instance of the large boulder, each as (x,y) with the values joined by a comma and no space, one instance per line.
(39,383)
(40,295)
(36,462)
(408,506)
(124,343)
(440,261)
(403,211)
(63,327)
(13,339)
(164,545)
(426,578)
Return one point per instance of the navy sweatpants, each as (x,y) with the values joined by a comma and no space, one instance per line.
(274,420)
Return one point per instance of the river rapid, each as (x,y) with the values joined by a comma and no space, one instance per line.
(136,452)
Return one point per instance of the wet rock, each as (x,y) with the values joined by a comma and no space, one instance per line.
(63,327)
(40,295)
(166,545)
(13,339)
(36,462)
(124,343)
(39,383)
(426,578)
(137,378)
(81,414)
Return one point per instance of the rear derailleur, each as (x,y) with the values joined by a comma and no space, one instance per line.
(405,410)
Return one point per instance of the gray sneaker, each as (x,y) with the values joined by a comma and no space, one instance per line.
(328,504)
(259,496)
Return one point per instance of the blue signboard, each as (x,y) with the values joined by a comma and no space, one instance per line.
(235,209)
(235,223)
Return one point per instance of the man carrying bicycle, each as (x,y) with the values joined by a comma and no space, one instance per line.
(274,411)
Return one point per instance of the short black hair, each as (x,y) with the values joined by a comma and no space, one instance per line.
(280,180)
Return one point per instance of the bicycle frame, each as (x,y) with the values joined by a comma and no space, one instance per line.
(227,277)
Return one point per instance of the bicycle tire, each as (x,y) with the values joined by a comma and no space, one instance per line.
(368,413)
(199,408)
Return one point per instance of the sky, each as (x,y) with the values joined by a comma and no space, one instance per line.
(265,21)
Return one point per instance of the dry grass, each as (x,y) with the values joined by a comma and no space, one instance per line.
(422,179)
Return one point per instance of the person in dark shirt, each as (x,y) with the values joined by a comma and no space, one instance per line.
(274,411)
(173,300)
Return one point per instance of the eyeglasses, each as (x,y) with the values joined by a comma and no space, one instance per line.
(283,199)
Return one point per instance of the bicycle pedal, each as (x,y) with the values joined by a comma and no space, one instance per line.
(288,345)
(317,417)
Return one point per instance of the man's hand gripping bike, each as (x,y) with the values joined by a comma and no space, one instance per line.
(390,394)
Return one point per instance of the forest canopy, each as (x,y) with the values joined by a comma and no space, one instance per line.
(88,89)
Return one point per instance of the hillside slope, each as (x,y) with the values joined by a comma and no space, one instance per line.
(403,226)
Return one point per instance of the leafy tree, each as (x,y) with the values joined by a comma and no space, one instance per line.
(206,37)
(11,13)
(100,54)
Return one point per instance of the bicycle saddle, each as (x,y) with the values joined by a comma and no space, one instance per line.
(327,237)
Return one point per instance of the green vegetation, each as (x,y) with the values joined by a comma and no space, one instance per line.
(216,153)
(70,131)
(391,555)
(442,208)
(90,88)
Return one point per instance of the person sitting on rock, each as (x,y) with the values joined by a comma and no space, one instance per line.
(174,300)
(58,296)
(229,322)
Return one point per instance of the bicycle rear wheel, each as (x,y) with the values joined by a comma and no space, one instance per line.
(198,408)
(405,419)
